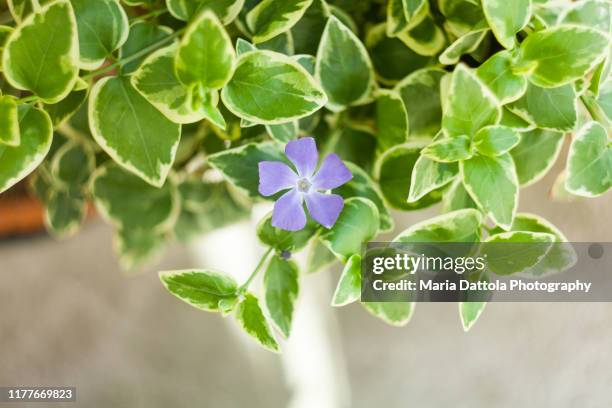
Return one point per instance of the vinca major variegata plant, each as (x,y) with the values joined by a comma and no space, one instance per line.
(174,117)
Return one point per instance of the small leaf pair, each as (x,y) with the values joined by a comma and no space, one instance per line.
(219,292)
(488,141)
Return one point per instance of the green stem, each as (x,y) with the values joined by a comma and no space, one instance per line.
(141,53)
(36,5)
(152,14)
(246,284)
(28,99)
(588,104)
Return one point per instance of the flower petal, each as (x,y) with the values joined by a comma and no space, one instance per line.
(274,177)
(324,208)
(288,213)
(304,155)
(333,173)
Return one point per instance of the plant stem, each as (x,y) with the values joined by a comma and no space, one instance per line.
(154,13)
(28,99)
(134,56)
(246,284)
(592,109)
(36,5)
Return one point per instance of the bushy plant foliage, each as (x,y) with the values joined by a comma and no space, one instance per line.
(161,112)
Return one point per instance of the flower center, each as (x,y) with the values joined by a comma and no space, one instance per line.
(303,185)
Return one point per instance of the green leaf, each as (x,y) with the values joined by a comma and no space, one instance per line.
(204,207)
(253,321)
(562,54)
(465,44)
(457,226)
(307,31)
(535,154)
(41,54)
(493,184)
(497,73)
(307,61)
(355,144)
(63,110)
(426,38)
(457,198)
(270,88)
(470,312)
(226,10)
(393,313)
(589,163)
(515,122)
(16,162)
(343,66)
(283,44)
(284,132)
(358,223)
(391,120)
(548,108)
(590,13)
(429,175)
(131,131)
(137,247)
(461,15)
(205,55)
(394,172)
(404,14)
(471,106)
(240,165)
(281,289)
(349,285)
(507,18)
(209,101)
(396,17)
(604,99)
(227,306)
(272,17)
(391,58)
(495,140)
(143,34)
(201,289)
(283,240)
(515,251)
(422,86)
(64,213)
(361,185)
(593,14)
(319,256)
(157,83)
(9,121)
(129,203)
(243,46)
(561,255)
(102,27)
(72,165)
(449,150)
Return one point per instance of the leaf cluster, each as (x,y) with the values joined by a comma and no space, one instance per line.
(158,113)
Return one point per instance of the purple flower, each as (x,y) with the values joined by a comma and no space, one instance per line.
(304,185)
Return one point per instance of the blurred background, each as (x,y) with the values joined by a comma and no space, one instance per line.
(71,317)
